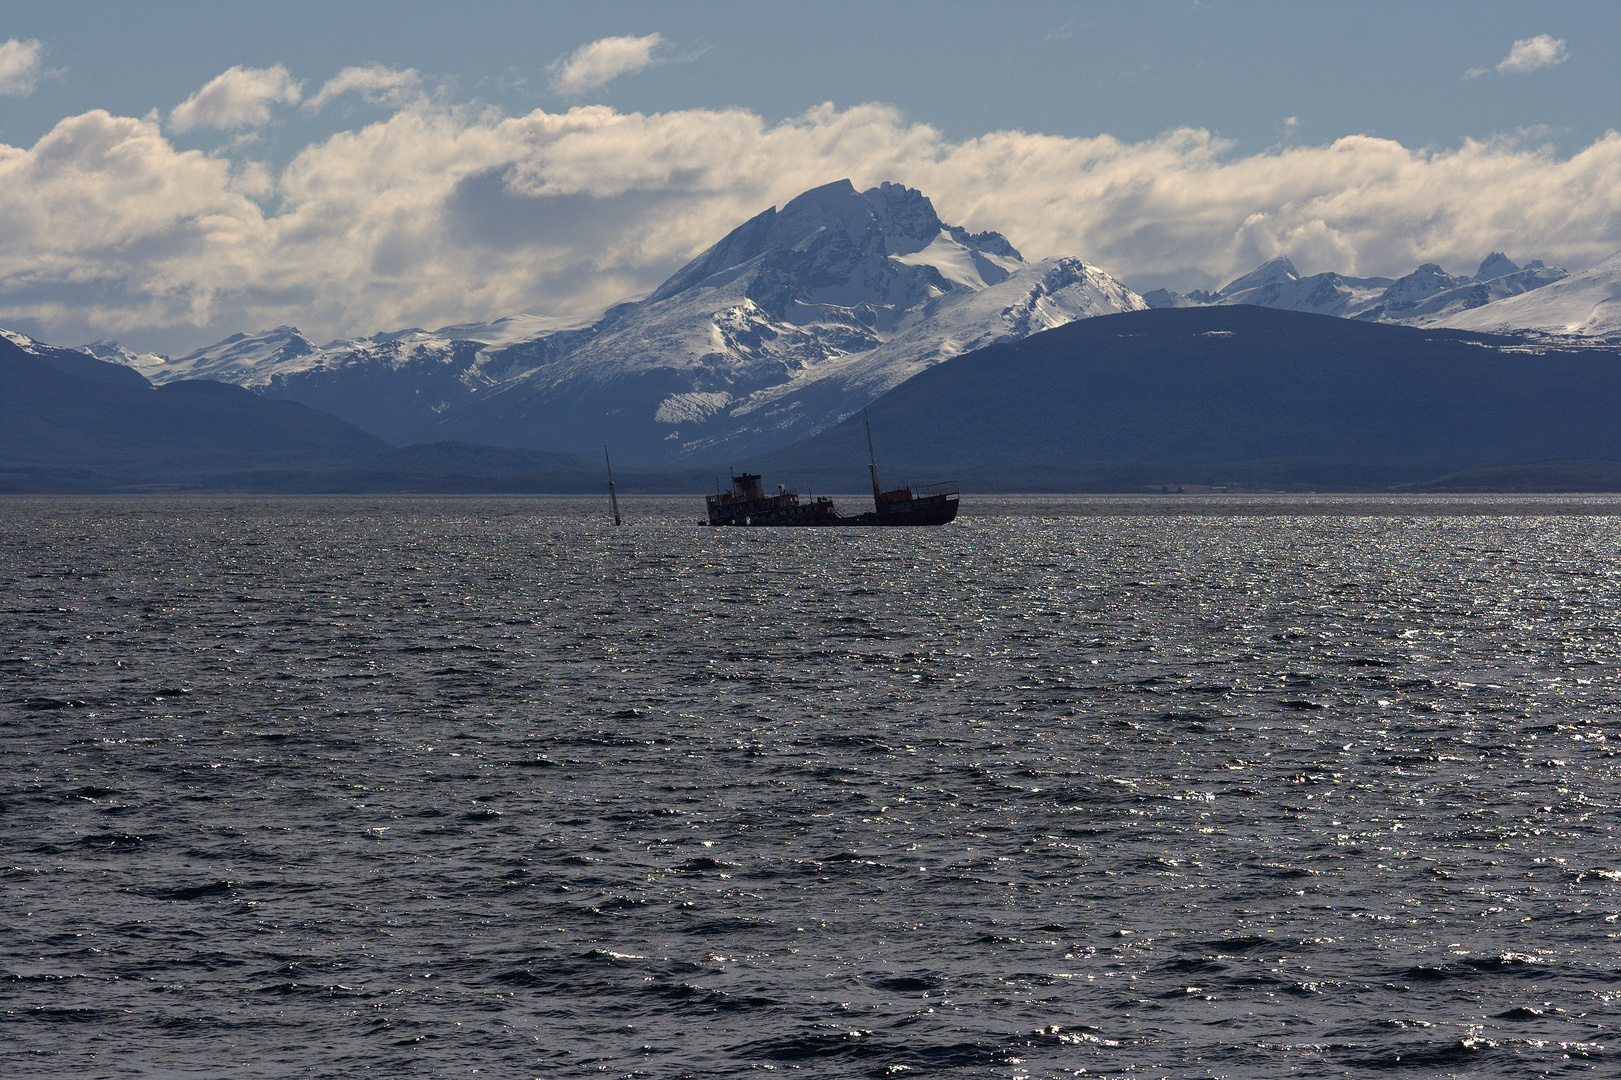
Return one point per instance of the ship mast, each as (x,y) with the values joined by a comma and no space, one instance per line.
(613,498)
(872,460)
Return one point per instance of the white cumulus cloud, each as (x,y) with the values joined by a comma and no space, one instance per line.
(1528,54)
(20,67)
(377,84)
(237,98)
(1531,53)
(103,211)
(594,65)
(439,214)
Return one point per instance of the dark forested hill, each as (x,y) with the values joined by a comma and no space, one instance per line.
(70,420)
(1256,395)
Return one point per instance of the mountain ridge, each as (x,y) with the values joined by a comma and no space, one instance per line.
(1587,304)
(795,319)
(1426,296)
(1274,398)
(62,409)
(1215,396)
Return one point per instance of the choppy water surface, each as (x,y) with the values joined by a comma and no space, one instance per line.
(1145,788)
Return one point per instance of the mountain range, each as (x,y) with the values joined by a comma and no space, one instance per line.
(793,321)
(1211,395)
(1429,296)
(775,336)
(1581,305)
(71,421)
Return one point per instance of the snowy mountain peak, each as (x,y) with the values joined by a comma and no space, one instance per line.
(792,321)
(113,352)
(1271,272)
(224,360)
(1496,265)
(22,341)
(992,243)
(832,206)
(283,340)
(904,216)
(1421,284)
(833,244)
(1586,304)
(1427,296)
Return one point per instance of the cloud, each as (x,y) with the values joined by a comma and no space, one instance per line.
(238,98)
(439,214)
(103,212)
(20,67)
(594,65)
(1528,54)
(379,85)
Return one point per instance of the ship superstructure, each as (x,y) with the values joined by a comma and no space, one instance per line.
(915,504)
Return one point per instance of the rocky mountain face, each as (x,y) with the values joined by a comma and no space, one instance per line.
(795,320)
(1427,296)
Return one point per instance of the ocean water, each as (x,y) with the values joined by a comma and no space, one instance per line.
(1179,787)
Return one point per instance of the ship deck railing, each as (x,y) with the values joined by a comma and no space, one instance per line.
(923,491)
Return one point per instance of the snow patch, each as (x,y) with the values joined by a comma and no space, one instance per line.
(691,408)
(516,328)
(114,353)
(22,341)
(960,264)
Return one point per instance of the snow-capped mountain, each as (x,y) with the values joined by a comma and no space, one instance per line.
(1279,271)
(22,341)
(789,324)
(1429,279)
(1428,308)
(114,353)
(70,420)
(391,383)
(1498,265)
(1278,284)
(265,351)
(1423,297)
(1587,304)
(796,319)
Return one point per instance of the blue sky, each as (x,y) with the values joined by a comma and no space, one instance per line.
(338,164)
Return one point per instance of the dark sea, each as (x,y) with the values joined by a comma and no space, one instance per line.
(1173,787)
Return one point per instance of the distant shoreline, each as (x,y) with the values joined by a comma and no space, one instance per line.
(665,508)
